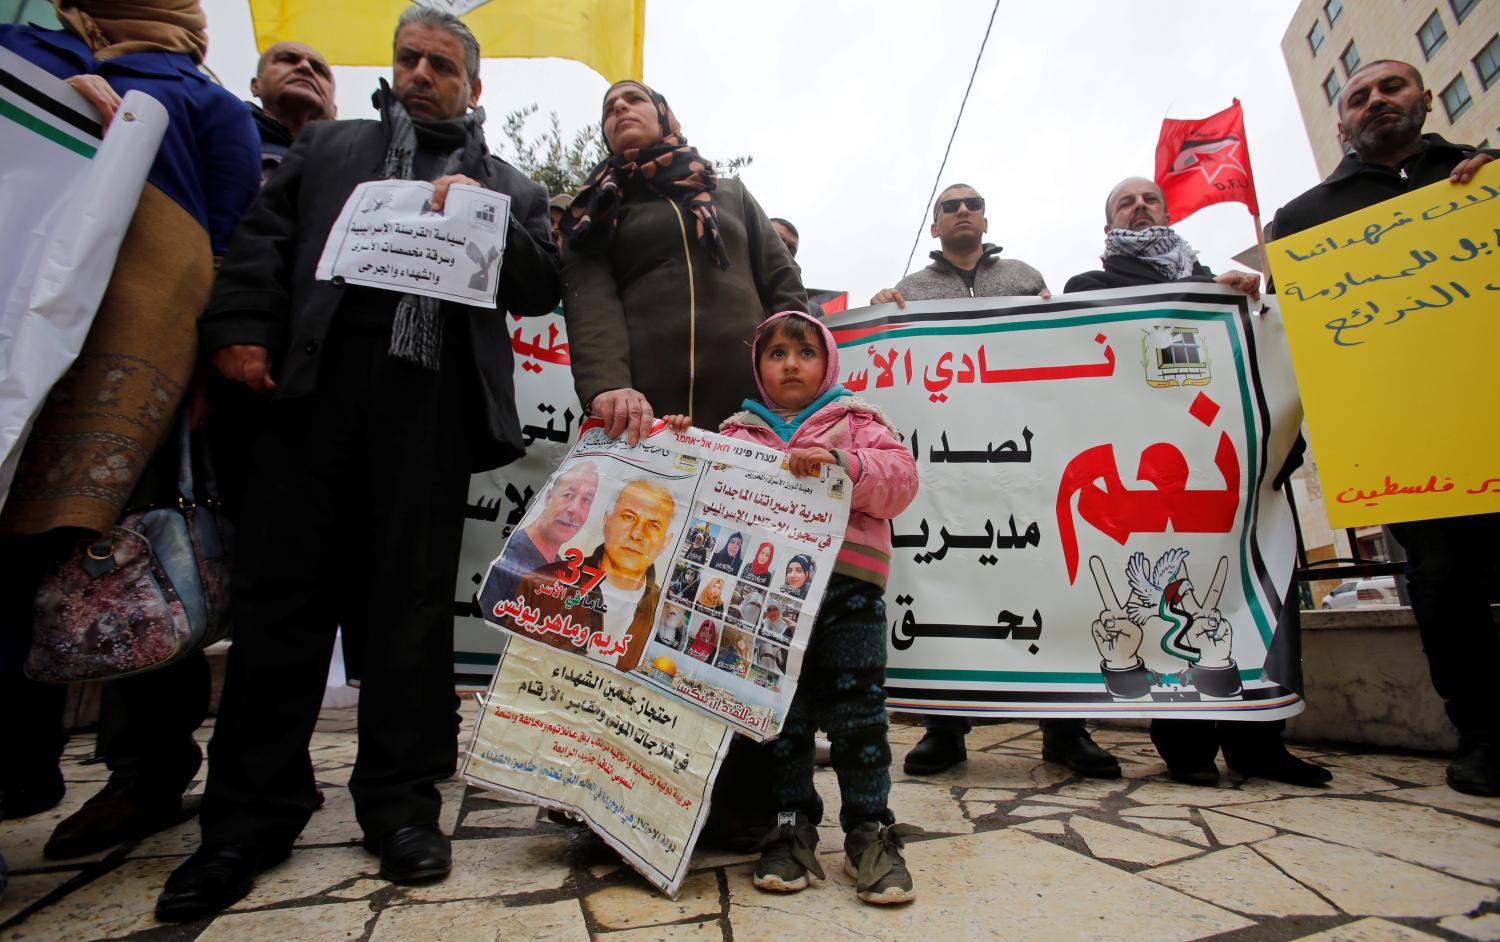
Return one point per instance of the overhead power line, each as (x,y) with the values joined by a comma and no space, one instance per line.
(941,167)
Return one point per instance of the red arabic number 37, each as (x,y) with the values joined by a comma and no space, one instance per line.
(576,570)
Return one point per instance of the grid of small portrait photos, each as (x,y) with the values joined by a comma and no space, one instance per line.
(735,602)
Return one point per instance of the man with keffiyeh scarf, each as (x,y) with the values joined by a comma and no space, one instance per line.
(1140,248)
(381,405)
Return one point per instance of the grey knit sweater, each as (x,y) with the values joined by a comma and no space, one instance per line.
(996,277)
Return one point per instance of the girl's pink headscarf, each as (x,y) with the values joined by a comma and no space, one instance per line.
(830,352)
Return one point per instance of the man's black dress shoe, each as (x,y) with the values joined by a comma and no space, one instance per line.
(1475,770)
(216,877)
(1188,774)
(1079,752)
(1279,766)
(417,853)
(939,751)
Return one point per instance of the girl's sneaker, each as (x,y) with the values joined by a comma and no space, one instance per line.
(788,855)
(872,856)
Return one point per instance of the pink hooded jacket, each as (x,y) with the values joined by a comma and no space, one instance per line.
(883,471)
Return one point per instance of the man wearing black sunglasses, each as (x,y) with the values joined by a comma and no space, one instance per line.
(967,266)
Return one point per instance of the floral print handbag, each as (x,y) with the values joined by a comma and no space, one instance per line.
(151,591)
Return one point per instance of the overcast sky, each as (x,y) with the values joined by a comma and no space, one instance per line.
(846,107)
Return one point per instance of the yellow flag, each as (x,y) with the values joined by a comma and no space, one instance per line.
(605,35)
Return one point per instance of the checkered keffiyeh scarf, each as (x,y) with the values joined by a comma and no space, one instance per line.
(1157,246)
(417,334)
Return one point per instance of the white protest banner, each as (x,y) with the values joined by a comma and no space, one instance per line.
(634,763)
(693,562)
(550,414)
(69,197)
(1097,532)
(387,236)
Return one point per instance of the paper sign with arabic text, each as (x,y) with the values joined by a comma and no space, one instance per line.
(1393,314)
(1096,533)
(632,761)
(693,562)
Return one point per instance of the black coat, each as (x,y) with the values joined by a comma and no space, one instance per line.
(1354,184)
(266,295)
(1125,271)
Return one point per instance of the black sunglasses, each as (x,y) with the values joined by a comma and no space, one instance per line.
(974,203)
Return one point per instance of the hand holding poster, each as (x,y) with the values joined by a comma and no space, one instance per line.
(1391,316)
(635,763)
(692,562)
(387,236)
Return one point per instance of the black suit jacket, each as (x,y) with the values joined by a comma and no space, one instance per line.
(266,295)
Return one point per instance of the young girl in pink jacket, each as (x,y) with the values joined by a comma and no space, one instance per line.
(816,421)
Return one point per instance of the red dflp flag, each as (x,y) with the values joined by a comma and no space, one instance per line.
(1205,161)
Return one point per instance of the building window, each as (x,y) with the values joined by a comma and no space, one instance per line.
(1461,8)
(1432,35)
(1487,63)
(1331,86)
(1334,9)
(1315,36)
(1350,59)
(1456,98)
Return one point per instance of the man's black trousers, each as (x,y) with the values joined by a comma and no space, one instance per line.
(353,515)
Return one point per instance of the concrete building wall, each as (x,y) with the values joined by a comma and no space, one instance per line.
(1387,29)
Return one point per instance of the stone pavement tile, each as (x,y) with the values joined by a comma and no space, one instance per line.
(1229,831)
(1411,832)
(979,809)
(328,922)
(1241,880)
(930,808)
(1418,770)
(1345,782)
(631,905)
(494,866)
(482,921)
(706,859)
(1043,826)
(25,837)
(1158,811)
(1052,798)
(989,794)
(360,889)
(1369,930)
(309,872)
(27,889)
(332,772)
(1172,793)
(1092,789)
(118,903)
(520,816)
(967,886)
(983,737)
(996,770)
(687,932)
(1441,796)
(174,841)
(1473,927)
(1135,771)
(1363,883)
(1121,737)
(1167,827)
(334,823)
(1038,811)
(1117,843)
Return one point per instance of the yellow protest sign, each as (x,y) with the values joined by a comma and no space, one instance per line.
(1393,318)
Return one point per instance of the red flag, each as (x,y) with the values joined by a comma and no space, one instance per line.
(1205,161)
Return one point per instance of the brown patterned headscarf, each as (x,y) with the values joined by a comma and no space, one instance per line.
(120,27)
(669,168)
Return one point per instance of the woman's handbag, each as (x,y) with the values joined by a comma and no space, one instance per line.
(150,592)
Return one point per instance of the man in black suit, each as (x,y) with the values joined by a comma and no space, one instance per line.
(382,405)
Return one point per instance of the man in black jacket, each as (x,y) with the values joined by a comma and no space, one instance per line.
(1141,248)
(382,405)
(1449,562)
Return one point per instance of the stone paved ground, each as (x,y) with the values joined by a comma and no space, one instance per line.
(1018,849)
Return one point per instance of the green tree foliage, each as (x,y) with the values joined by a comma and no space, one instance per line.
(562,164)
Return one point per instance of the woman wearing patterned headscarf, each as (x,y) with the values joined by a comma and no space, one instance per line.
(666,266)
